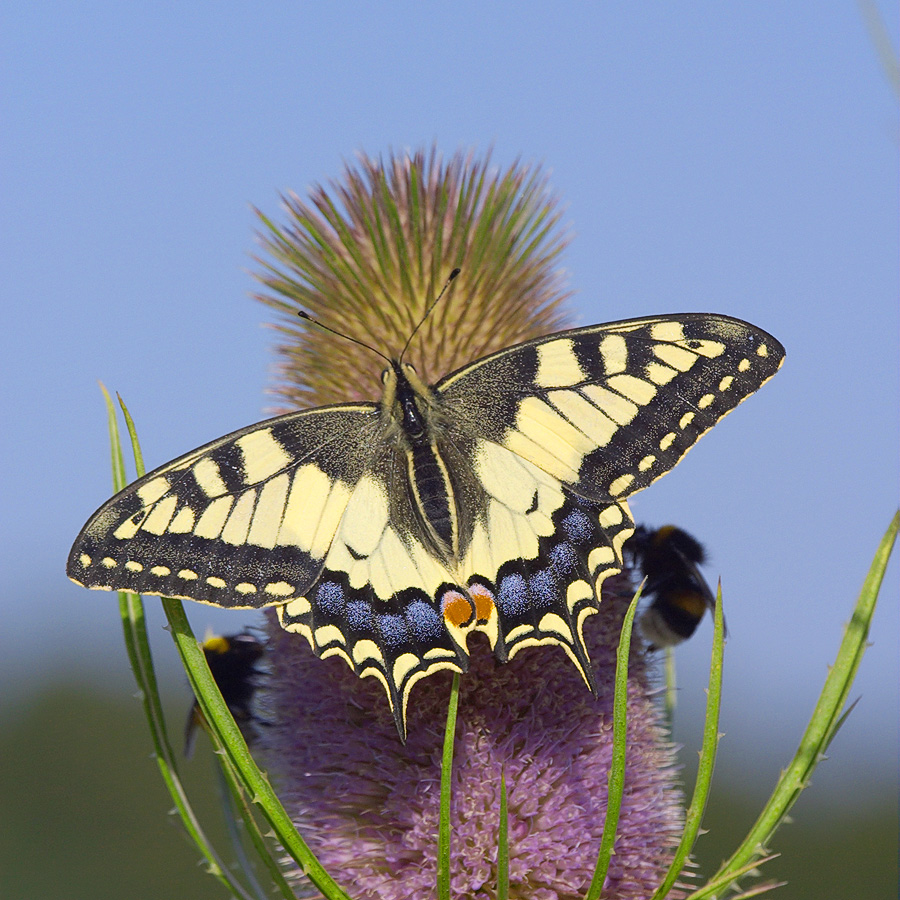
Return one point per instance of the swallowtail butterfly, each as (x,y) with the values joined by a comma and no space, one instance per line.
(493,501)
(669,558)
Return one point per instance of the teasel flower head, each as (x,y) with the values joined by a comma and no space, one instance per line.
(368,805)
(365,257)
(369,255)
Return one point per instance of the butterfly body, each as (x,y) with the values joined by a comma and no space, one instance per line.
(414,424)
(493,501)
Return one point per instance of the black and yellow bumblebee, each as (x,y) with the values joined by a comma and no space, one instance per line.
(669,558)
(232,660)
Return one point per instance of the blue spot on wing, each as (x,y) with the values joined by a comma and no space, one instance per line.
(563,559)
(359,615)
(330,598)
(512,598)
(424,621)
(393,630)
(578,527)
(544,588)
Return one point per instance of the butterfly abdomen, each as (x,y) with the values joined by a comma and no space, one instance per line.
(433,494)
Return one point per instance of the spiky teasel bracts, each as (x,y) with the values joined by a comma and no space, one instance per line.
(367,256)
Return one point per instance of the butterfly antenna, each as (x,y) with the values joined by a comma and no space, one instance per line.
(435,302)
(340,334)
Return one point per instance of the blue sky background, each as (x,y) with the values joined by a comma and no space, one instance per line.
(737,158)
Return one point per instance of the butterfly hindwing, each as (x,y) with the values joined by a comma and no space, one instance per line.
(538,554)
(376,602)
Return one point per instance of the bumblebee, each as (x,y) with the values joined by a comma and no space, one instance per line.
(679,595)
(232,659)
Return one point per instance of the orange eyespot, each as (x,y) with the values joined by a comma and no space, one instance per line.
(484,603)
(457,609)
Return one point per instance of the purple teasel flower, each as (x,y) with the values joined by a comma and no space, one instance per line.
(367,258)
(368,805)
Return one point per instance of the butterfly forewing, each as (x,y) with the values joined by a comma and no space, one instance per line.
(245,521)
(610,408)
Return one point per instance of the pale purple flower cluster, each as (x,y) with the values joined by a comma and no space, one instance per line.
(368,805)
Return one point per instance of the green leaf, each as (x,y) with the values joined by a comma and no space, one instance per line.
(239,806)
(234,746)
(694,815)
(826,719)
(503,844)
(443,862)
(616,778)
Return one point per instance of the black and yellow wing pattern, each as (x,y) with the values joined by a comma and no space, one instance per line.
(492,501)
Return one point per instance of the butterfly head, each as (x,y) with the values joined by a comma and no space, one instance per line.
(406,400)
